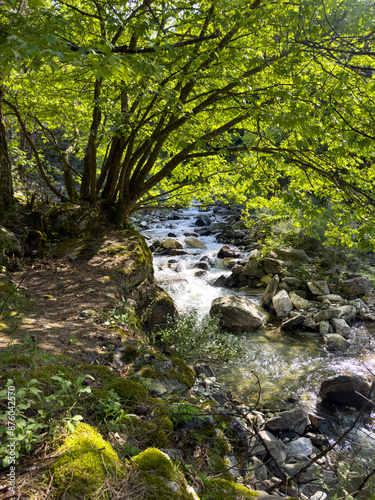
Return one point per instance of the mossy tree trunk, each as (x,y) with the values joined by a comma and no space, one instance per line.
(6,184)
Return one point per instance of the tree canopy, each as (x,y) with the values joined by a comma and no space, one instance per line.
(168,101)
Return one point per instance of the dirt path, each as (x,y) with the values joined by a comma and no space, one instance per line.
(59,291)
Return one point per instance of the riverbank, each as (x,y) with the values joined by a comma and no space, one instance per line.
(79,315)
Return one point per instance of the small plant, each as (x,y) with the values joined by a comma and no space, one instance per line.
(26,414)
(188,337)
(183,412)
(110,410)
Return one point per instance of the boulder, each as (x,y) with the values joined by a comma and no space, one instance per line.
(252,270)
(237,270)
(299,302)
(270,292)
(346,390)
(318,287)
(203,220)
(273,266)
(341,327)
(282,304)
(335,342)
(9,243)
(295,420)
(323,327)
(225,251)
(331,297)
(238,313)
(347,312)
(293,322)
(291,254)
(327,314)
(300,446)
(192,242)
(357,286)
(172,243)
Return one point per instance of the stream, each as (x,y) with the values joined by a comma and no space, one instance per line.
(290,365)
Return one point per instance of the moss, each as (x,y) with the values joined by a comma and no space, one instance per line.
(153,459)
(85,462)
(17,361)
(101,374)
(115,250)
(185,375)
(148,433)
(129,354)
(131,394)
(157,470)
(224,489)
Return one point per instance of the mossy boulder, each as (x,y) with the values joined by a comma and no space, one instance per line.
(222,489)
(159,472)
(73,221)
(167,376)
(146,432)
(131,394)
(85,462)
(9,243)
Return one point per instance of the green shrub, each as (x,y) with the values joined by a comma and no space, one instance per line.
(188,337)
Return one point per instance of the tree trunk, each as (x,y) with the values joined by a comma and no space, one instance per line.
(6,184)
(88,183)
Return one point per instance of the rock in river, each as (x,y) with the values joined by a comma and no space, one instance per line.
(238,313)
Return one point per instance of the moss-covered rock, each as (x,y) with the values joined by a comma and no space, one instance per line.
(158,470)
(131,394)
(167,376)
(222,489)
(146,432)
(85,462)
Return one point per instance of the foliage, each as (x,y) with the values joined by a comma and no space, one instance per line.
(111,411)
(269,104)
(182,412)
(187,337)
(33,412)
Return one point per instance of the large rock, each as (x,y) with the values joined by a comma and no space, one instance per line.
(346,390)
(357,286)
(298,302)
(341,327)
(331,297)
(335,342)
(194,242)
(293,322)
(203,220)
(291,254)
(252,270)
(318,287)
(225,252)
(270,292)
(347,312)
(295,420)
(282,304)
(327,314)
(9,243)
(172,243)
(274,266)
(238,313)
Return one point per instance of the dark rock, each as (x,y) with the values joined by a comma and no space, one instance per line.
(345,390)
(273,266)
(204,368)
(270,292)
(201,265)
(232,281)
(203,220)
(177,251)
(226,251)
(293,322)
(295,420)
(357,286)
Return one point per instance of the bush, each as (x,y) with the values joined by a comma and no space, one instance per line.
(191,338)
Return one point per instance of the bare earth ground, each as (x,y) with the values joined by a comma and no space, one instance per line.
(58,292)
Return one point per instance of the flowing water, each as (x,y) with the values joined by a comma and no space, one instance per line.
(289,365)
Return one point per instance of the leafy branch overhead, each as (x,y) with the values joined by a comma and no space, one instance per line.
(198,99)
